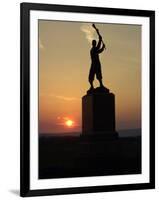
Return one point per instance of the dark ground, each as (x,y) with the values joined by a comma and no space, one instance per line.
(72,156)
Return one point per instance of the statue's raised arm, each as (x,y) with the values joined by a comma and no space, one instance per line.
(100,37)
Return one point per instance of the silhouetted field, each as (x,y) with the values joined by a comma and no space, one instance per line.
(73,156)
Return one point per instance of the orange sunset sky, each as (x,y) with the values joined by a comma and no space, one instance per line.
(64,63)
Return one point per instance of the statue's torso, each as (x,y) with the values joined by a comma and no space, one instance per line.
(94,56)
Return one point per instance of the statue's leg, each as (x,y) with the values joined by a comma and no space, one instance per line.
(91,83)
(91,78)
(99,76)
(101,83)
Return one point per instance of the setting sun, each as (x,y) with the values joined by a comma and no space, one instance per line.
(69,123)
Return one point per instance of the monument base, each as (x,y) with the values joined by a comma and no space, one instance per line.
(98,114)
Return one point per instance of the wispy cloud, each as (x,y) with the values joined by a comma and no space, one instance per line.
(65,98)
(89,32)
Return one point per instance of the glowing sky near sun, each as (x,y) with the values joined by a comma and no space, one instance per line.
(64,63)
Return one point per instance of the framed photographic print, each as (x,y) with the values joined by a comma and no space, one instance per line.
(87,99)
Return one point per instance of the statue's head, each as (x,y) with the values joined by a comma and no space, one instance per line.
(94,43)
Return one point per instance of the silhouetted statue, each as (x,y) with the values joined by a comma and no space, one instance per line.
(98,105)
(95,65)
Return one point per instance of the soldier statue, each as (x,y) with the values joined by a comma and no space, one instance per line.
(95,68)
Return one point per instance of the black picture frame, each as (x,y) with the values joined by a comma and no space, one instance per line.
(25,9)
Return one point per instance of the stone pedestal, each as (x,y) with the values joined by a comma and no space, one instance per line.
(98,113)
